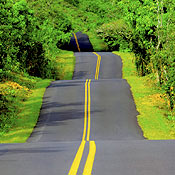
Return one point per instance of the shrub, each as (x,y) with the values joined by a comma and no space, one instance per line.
(11,94)
(116,34)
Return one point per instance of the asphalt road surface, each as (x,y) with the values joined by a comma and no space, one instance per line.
(88,126)
(78,39)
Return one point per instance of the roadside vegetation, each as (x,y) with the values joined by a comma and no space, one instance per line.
(65,65)
(98,44)
(21,99)
(155,118)
(22,109)
(31,35)
(146,28)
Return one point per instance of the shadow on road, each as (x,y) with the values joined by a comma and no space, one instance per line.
(83,41)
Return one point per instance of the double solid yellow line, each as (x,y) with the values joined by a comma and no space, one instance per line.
(98,65)
(76,40)
(98,58)
(85,138)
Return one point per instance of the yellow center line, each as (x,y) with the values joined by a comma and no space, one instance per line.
(89,110)
(76,42)
(90,159)
(77,160)
(98,65)
(75,165)
(85,112)
(92,147)
(96,68)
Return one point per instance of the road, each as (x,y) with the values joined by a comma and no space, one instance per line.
(88,126)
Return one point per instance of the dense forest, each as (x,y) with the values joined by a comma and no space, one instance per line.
(33,31)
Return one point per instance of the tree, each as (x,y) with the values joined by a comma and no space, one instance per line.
(6,43)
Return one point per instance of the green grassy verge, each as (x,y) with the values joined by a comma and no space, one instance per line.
(150,103)
(97,43)
(27,118)
(66,64)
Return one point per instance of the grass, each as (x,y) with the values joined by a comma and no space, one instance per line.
(150,102)
(97,43)
(66,64)
(27,118)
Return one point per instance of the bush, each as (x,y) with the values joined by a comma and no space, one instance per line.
(117,35)
(24,46)
(11,94)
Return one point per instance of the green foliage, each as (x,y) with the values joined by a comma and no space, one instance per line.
(17,43)
(97,12)
(7,105)
(53,23)
(73,2)
(6,51)
(22,124)
(116,34)
(147,28)
(29,40)
(11,96)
